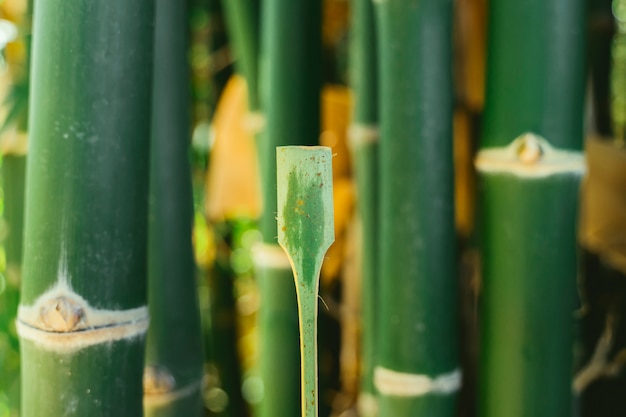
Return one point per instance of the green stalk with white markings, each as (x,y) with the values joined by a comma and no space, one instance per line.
(530,165)
(289,90)
(363,139)
(174,356)
(417,372)
(83,315)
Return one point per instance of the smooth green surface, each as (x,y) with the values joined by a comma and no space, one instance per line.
(529,295)
(289,89)
(305,232)
(65,385)
(534,71)
(88,163)
(439,405)
(418,292)
(87,194)
(363,63)
(13,186)
(174,339)
(618,71)
(188,407)
(366,170)
(279,346)
(223,345)
(364,84)
(242,17)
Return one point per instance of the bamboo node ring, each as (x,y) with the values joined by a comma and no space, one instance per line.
(157,380)
(61,314)
(362,135)
(530,150)
(530,156)
(400,384)
(61,320)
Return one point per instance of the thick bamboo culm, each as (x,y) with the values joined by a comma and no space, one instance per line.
(174,356)
(417,370)
(363,137)
(290,83)
(530,165)
(83,314)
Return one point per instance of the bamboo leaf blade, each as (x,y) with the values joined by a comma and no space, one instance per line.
(306,231)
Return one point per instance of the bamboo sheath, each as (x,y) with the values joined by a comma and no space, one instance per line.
(290,81)
(174,356)
(530,165)
(418,367)
(83,313)
(363,139)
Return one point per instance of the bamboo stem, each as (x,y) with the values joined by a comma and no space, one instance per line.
(174,357)
(83,314)
(363,137)
(242,17)
(305,232)
(417,369)
(530,165)
(290,83)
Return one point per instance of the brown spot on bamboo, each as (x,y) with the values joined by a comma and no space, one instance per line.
(61,314)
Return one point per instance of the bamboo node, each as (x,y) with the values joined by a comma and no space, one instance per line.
(529,150)
(254,122)
(362,135)
(367,405)
(157,380)
(400,384)
(271,256)
(530,156)
(61,314)
(165,398)
(61,320)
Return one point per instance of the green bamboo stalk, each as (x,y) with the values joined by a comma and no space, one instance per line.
(618,74)
(290,99)
(13,171)
(418,365)
(305,232)
(223,316)
(363,137)
(530,166)
(174,357)
(83,313)
(242,17)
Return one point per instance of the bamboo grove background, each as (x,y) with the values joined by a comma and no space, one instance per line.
(479,267)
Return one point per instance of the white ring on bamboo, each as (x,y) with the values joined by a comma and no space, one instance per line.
(367,404)
(254,122)
(530,156)
(62,321)
(265,255)
(362,135)
(401,384)
(165,398)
